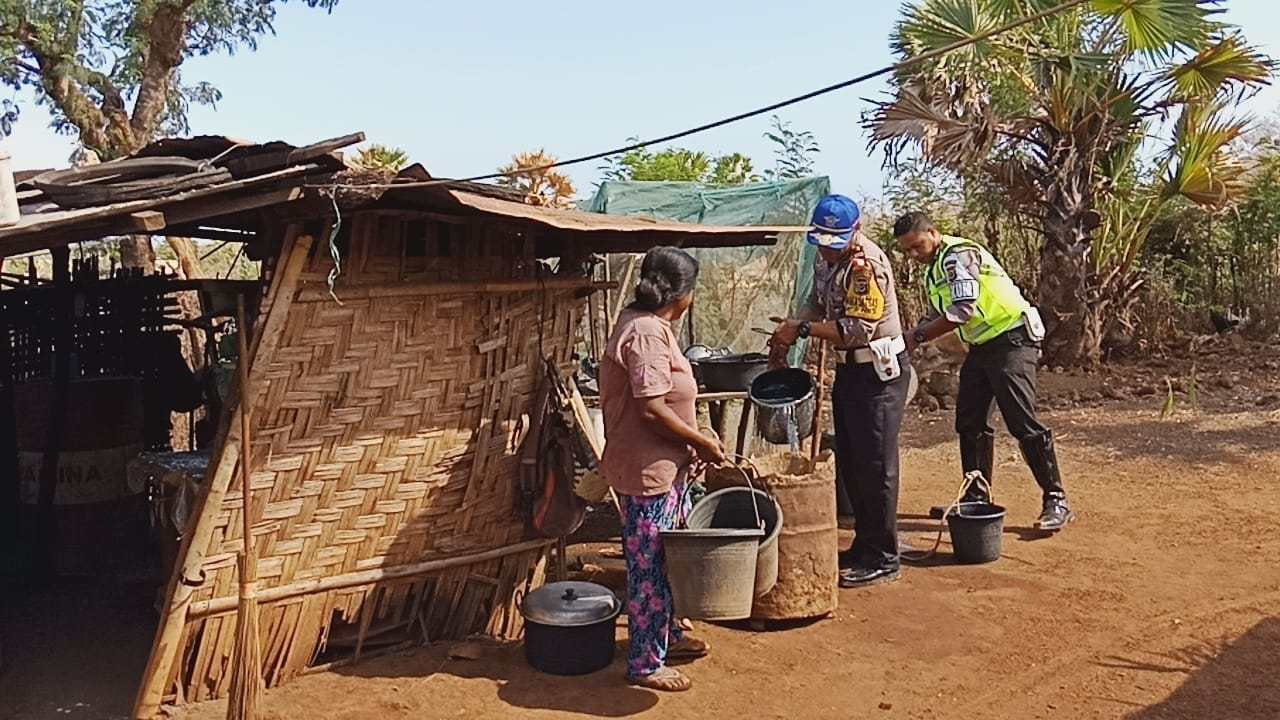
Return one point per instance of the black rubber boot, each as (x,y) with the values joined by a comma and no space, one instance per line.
(1041,457)
(977,452)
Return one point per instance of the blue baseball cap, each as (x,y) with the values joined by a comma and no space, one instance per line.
(834,221)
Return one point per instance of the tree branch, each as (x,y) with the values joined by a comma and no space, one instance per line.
(58,83)
(166,32)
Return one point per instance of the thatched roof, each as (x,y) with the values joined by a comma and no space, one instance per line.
(300,181)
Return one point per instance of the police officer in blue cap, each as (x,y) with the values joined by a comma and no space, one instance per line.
(854,307)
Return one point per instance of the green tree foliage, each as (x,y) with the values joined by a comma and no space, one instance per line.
(679,165)
(110,70)
(795,151)
(1056,116)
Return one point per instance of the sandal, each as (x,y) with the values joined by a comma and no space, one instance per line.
(689,647)
(664,680)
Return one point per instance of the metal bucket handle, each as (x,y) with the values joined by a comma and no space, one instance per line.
(755,502)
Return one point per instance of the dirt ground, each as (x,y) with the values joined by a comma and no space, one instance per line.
(1161,602)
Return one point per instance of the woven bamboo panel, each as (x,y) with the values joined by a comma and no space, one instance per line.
(385,433)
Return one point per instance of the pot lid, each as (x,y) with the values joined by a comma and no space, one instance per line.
(570,604)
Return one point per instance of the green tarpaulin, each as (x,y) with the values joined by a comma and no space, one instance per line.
(739,288)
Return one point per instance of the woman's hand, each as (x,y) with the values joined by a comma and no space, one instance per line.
(711,451)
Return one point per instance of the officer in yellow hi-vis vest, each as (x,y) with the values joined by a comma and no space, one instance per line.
(970,293)
(853,305)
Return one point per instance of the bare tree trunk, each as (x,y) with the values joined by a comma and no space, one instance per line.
(136,252)
(1072,314)
(181,434)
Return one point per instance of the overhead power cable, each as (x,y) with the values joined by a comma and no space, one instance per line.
(909,62)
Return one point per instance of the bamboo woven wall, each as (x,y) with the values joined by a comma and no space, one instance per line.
(385,433)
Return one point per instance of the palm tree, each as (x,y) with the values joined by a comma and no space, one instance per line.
(381,157)
(540,186)
(1065,116)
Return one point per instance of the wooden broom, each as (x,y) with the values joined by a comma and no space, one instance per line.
(246,670)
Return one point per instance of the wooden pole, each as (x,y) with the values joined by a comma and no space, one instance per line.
(188,573)
(815,442)
(46,520)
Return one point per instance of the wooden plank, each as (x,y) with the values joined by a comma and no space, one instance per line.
(364,577)
(146,221)
(47,222)
(315,292)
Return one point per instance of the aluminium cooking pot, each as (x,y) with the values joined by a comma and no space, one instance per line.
(570,627)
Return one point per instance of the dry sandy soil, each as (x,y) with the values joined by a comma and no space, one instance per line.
(1161,602)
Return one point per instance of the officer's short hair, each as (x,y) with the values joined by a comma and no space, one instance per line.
(912,222)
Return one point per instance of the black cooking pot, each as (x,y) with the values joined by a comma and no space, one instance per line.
(732,373)
(569,627)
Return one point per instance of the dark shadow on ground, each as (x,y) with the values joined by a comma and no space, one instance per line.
(604,694)
(1236,680)
(1181,439)
(73,649)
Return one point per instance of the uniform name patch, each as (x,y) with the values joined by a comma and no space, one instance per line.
(864,300)
(964,290)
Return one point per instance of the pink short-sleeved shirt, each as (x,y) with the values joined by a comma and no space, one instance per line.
(642,361)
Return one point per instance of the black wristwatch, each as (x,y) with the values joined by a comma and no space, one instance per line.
(804,329)
(918,336)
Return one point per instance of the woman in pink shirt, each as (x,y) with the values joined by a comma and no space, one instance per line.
(648,392)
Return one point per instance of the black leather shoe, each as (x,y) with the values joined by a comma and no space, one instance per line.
(866,577)
(1055,516)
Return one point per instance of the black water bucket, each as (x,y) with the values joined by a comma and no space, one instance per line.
(976,529)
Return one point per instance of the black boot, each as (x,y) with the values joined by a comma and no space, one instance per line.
(977,452)
(1043,461)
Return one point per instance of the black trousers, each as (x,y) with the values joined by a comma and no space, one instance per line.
(868,414)
(1002,372)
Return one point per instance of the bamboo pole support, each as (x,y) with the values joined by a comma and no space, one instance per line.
(188,574)
(815,440)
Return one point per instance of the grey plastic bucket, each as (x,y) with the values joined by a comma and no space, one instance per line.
(976,529)
(712,571)
(732,508)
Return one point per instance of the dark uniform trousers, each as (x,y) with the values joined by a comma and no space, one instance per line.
(868,414)
(1003,372)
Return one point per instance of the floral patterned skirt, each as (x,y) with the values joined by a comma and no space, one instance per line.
(651,620)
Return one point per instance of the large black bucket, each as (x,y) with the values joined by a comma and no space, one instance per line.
(976,529)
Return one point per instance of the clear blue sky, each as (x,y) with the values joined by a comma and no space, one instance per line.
(461,86)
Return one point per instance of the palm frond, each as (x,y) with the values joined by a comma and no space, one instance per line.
(1227,64)
(1203,171)
(943,137)
(1162,27)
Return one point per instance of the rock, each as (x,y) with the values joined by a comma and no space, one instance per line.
(1225,382)
(1144,391)
(942,384)
(1114,392)
(929,403)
